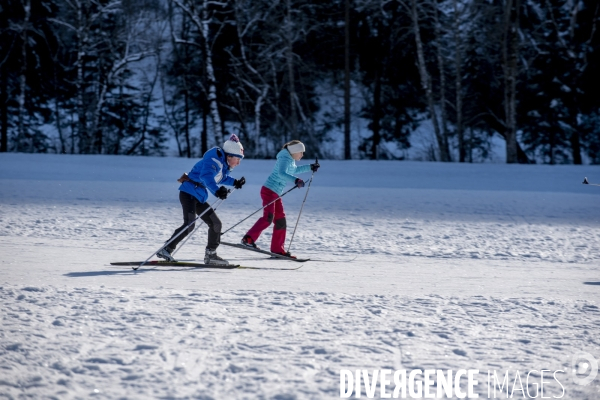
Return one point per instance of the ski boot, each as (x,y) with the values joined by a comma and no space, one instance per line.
(165,253)
(248,242)
(211,258)
(286,254)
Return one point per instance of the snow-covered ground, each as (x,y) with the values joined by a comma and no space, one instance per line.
(491,267)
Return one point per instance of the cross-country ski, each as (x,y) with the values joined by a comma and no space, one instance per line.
(164,263)
(195,265)
(268,253)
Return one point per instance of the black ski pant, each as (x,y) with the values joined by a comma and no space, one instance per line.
(191,208)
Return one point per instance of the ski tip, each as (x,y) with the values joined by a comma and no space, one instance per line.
(585,181)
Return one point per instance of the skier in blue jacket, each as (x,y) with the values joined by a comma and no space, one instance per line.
(208,173)
(284,172)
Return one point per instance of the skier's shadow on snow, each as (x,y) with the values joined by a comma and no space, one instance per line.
(129,272)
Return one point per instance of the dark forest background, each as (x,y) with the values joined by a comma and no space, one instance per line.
(130,76)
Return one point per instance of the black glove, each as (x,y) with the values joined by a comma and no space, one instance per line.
(222,193)
(239,183)
(314,167)
(299,182)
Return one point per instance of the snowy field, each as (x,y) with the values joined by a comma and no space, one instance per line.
(487,267)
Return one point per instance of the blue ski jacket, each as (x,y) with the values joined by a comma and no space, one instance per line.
(284,171)
(208,173)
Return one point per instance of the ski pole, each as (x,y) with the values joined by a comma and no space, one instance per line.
(585,182)
(262,208)
(179,233)
(196,228)
(302,206)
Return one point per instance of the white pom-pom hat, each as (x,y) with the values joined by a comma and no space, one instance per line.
(233,147)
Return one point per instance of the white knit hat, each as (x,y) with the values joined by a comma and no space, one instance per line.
(296,148)
(233,147)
